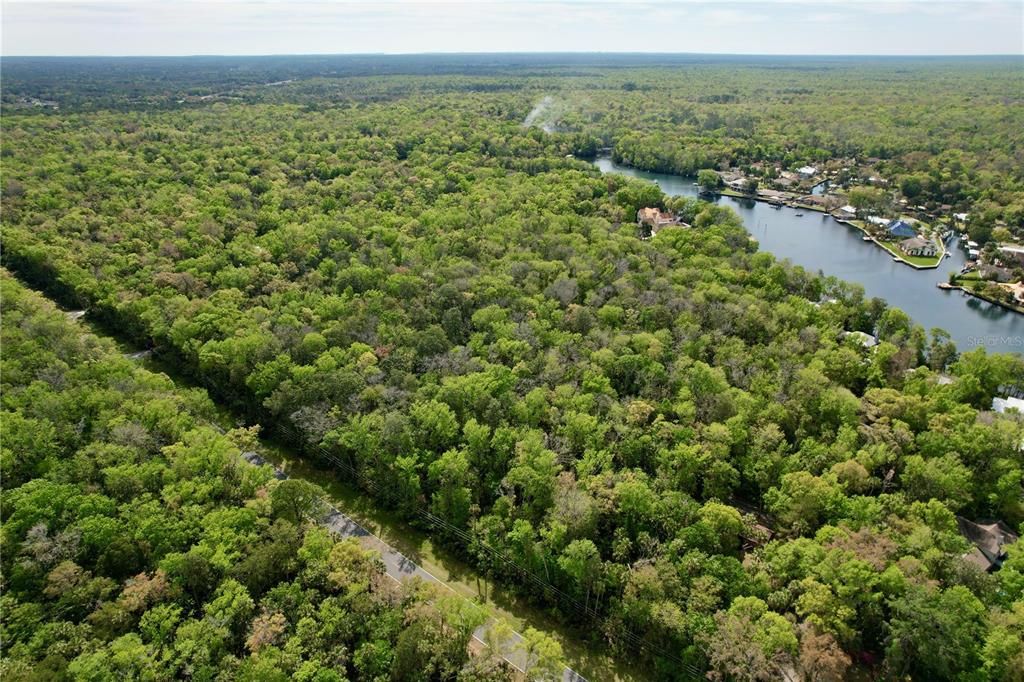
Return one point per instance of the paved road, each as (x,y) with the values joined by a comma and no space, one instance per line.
(397,565)
(400,568)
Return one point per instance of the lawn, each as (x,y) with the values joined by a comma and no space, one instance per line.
(921,261)
(977,287)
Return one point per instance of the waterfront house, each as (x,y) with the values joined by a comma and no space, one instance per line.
(1001,405)
(877,220)
(786,179)
(822,201)
(994,273)
(919,246)
(901,229)
(989,540)
(652,219)
(846,212)
(865,339)
(1012,252)
(773,195)
(807,171)
(1017,289)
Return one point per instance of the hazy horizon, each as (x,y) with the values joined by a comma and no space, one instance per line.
(274,55)
(876,28)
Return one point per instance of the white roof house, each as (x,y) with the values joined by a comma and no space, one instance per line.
(865,339)
(877,220)
(807,171)
(1001,405)
(848,209)
(960,216)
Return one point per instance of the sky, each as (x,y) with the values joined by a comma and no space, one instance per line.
(261,27)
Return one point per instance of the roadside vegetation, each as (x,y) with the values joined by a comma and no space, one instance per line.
(137,544)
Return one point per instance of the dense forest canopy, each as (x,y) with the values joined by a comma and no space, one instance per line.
(678,434)
(944,131)
(137,543)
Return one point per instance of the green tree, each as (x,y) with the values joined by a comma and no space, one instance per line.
(708,179)
(543,655)
(297,500)
(581,561)
(935,633)
(750,642)
(450,476)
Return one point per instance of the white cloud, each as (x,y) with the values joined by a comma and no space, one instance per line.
(335,26)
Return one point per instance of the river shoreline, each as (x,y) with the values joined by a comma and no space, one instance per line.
(838,249)
(946,286)
(726,192)
(896,257)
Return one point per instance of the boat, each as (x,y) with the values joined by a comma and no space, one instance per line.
(798,215)
(866,238)
(897,259)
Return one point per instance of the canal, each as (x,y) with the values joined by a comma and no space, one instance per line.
(818,242)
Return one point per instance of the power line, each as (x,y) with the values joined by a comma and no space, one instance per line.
(372,486)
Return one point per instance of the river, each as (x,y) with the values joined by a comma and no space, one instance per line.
(819,242)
